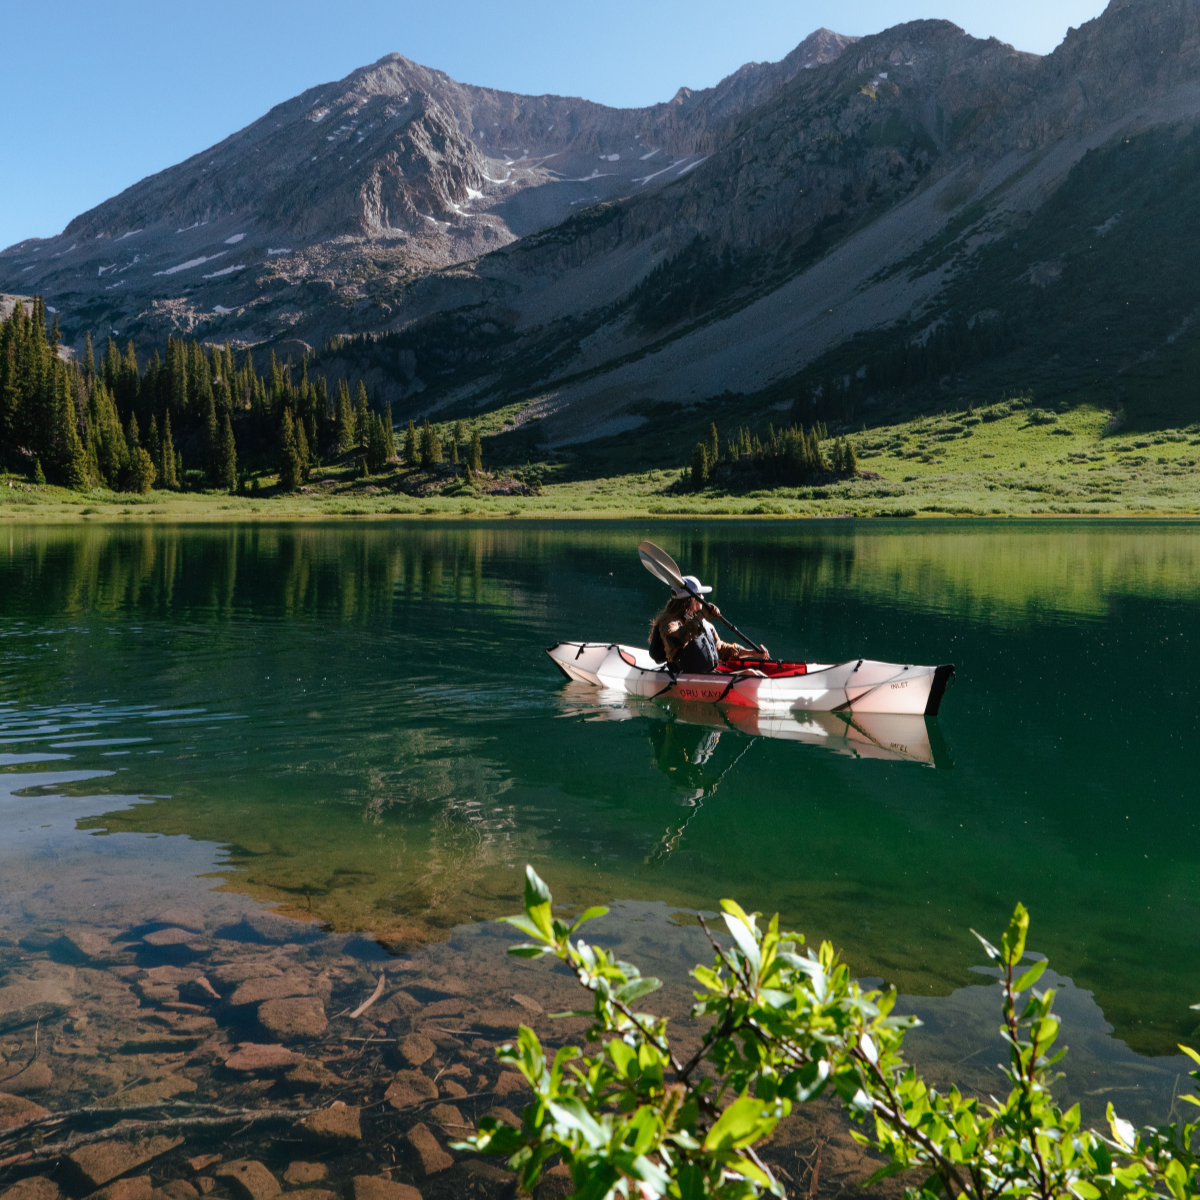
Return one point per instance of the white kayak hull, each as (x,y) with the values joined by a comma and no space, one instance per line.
(858,686)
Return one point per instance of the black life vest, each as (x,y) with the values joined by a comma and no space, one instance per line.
(699,656)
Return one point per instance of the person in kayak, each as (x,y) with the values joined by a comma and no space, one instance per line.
(683,636)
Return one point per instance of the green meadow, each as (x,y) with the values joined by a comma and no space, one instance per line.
(1004,460)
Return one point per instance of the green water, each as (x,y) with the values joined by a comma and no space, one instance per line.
(357,725)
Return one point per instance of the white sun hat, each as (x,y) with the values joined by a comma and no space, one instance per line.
(691,587)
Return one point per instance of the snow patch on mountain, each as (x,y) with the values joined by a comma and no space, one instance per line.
(192,262)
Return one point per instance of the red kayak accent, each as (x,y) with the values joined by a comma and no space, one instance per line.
(772,670)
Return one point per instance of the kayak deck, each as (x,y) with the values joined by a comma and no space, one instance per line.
(860,685)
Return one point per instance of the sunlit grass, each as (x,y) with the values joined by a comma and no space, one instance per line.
(989,462)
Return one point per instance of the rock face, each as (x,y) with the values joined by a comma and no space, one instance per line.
(718,242)
(395,163)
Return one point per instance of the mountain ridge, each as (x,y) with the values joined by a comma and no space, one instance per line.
(584,262)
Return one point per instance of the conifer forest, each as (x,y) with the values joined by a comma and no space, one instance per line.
(194,419)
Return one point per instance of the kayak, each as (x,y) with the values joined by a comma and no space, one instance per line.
(858,686)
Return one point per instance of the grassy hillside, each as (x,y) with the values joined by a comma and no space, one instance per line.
(1007,459)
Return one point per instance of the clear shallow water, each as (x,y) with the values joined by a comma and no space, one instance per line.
(356,726)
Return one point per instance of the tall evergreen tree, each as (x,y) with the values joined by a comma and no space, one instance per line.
(212,442)
(376,444)
(411,455)
(72,457)
(170,478)
(227,457)
(360,414)
(475,462)
(290,465)
(112,366)
(89,358)
(302,451)
(389,431)
(345,417)
(699,466)
(713,447)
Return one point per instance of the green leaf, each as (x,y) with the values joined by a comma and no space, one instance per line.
(1189,1052)
(636,989)
(525,925)
(744,936)
(741,1124)
(536,892)
(1012,944)
(690,1179)
(1083,1190)
(589,914)
(1176,1177)
(622,1055)
(1031,976)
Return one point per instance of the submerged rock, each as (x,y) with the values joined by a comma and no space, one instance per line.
(96,1165)
(339,1123)
(416,1049)
(295,1018)
(427,1155)
(16,1111)
(376,1187)
(249,1179)
(35,1188)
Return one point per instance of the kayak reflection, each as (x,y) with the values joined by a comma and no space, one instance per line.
(889,737)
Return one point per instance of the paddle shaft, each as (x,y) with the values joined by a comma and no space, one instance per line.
(725,621)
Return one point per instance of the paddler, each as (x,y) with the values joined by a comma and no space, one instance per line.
(682,634)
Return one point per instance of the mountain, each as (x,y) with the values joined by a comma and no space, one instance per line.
(913,218)
(395,168)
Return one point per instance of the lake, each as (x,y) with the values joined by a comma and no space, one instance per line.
(340,744)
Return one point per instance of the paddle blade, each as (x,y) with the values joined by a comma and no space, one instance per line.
(660,564)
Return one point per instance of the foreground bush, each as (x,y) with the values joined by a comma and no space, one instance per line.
(788,1025)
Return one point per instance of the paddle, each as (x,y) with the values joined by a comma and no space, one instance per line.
(662,566)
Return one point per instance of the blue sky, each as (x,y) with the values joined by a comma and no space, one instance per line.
(99,96)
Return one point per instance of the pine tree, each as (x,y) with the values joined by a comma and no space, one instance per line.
(431,445)
(454,454)
(345,417)
(112,366)
(227,457)
(360,414)
(72,457)
(389,431)
(290,465)
(376,444)
(110,447)
(459,434)
(39,476)
(410,445)
(89,358)
(699,466)
(212,440)
(475,458)
(302,451)
(714,445)
(167,452)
